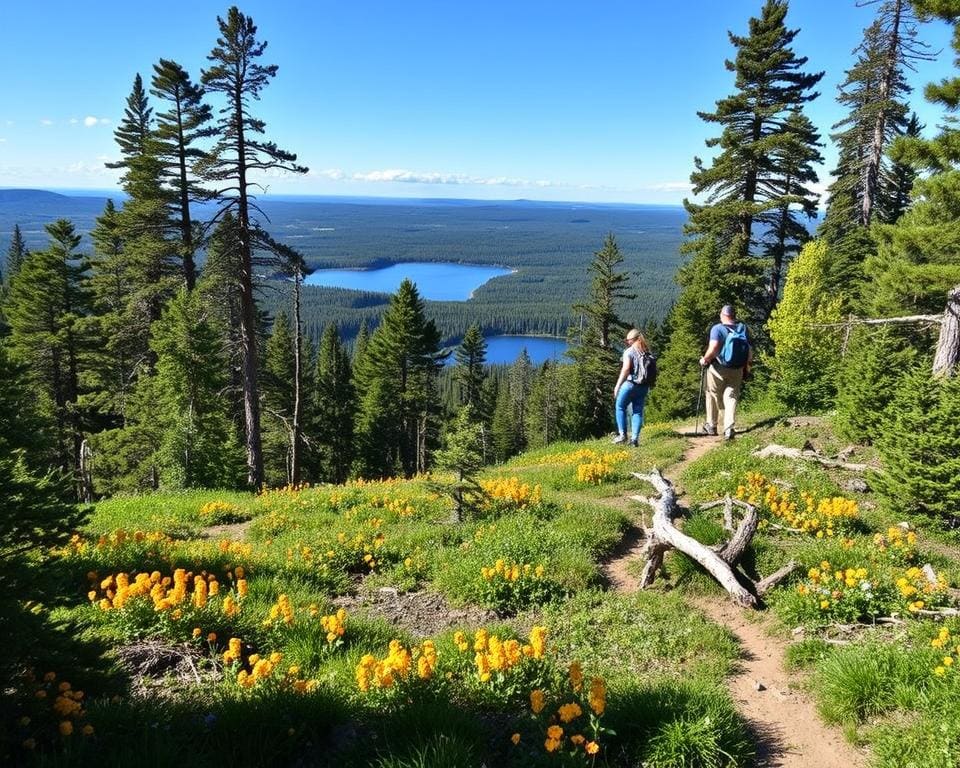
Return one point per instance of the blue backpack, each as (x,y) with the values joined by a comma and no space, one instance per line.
(736,348)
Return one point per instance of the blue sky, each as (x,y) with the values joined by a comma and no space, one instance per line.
(545,99)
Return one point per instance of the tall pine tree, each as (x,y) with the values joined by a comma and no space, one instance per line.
(334,409)
(233,164)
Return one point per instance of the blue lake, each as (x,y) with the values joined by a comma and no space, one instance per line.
(440,281)
(506,349)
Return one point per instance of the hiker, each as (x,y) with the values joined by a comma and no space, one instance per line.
(727,361)
(637,374)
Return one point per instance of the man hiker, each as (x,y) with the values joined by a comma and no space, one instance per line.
(727,360)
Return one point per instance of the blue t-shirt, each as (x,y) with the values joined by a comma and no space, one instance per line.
(719,332)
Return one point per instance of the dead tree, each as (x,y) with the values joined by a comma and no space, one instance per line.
(720,561)
(948,345)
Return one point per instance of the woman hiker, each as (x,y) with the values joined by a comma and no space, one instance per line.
(628,390)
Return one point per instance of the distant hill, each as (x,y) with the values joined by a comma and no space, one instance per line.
(30,196)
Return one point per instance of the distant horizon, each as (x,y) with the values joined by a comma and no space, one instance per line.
(287,197)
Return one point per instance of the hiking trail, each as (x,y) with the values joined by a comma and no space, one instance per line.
(782,717)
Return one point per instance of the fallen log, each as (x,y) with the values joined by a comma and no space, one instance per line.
(782,451)
(665,535)
(769,582)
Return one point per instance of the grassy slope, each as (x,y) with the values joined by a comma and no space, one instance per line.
(664,664)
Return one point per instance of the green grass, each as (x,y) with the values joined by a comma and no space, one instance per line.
(174,513)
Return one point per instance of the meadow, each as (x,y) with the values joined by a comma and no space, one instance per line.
(362,625)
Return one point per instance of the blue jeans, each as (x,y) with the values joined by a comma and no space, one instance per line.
(634,395)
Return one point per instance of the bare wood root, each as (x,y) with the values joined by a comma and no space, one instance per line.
(769,582)
(781,451)
(666,535)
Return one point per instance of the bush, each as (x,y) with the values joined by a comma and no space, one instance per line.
(868,380)
(920,447)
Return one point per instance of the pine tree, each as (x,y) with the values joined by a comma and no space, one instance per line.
(916,261)
(795,154)
(46,308)
(504,439)
(399,406)
(120,347)
(238,153)
(178,129)
(149,256)
(765,148)
(16,254)
(596,361)
(519,382)
(919,446)
(334,409)
(462,455)
(804,367)
(199,448)
(865,185)
(870,376)
(900,179)
(545,406)
(471,356)
(278,402)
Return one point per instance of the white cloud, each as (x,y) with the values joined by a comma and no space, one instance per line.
(2,140)
(402,176)
(670,186)
(73,121)
(46,122)
(91,121)
(334,174)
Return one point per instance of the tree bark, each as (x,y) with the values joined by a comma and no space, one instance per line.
(948,345)
(781,451)
(872,171)
(296,426)
(665,535)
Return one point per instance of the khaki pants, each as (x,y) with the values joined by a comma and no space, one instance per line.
(723,384)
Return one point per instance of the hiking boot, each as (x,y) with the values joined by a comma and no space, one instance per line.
(619,439)
(635,443)
(728,434)
(709,429)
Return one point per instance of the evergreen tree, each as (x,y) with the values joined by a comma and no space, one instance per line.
(462,455)
(504,437)
(120,347)
(236,72)
(46,308)
(596,360)
(758,176)
(334,409)
(178,129)
(900,179)
(804,367)
(471,356)
(866,186)
(278,402)
(399,406)
(545,407)
(919,446)
(519,383)
(916,261)
(360,345)
(199,448)
(869,378)
(148,256)
(16,254)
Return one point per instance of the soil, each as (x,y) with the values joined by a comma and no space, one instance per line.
(159,669)
(783,719)
(235,531)
(421,614)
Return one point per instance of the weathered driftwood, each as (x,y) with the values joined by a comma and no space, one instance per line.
(782,451)
(769,582)
(665,535)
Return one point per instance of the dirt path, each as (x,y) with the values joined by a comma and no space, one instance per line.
(235,531)
(783,719)
(616,569)
(788,731)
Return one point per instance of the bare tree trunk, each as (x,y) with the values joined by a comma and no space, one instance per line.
(296,427)
(872,180)
(948,345)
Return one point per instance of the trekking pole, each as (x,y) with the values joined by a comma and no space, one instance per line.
(696,421)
